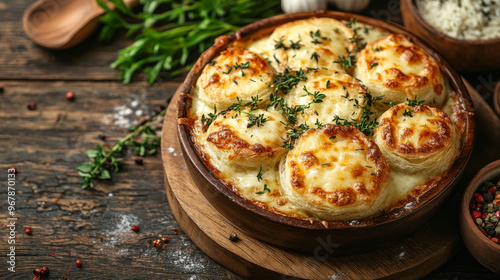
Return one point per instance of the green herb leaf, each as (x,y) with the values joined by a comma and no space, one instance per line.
(103,159)
(169,35)
(264,190)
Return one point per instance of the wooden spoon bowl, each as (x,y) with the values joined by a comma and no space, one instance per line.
(311,236)
(483,249)
(463,55)
(58,24)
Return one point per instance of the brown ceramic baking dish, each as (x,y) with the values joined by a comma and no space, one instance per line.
(302,235)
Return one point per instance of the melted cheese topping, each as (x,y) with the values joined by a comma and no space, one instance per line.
(246,140)
(345,177)
(340,91)
(417,140)
(336,173)
(396,69)
(310,43)
(235,73)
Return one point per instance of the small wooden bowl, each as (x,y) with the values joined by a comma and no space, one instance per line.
(496,99)
(463,55)
(314,236)
(483,249)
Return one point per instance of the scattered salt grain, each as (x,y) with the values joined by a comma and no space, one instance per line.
(170,149)
(410,205)
(127,115)
(110,194)
(354,222)
(402,255)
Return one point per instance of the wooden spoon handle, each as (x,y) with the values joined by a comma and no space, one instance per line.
(131,3)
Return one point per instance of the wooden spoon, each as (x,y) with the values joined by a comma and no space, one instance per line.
(61,24)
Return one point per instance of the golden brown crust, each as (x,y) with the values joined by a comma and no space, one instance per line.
(336,172)
(235,73)
(395,68)
(417,139)
(231,140)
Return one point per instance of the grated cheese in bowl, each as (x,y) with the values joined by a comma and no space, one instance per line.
(463,19)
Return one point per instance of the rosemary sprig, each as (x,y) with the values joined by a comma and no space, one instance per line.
(171,34)
(104,159)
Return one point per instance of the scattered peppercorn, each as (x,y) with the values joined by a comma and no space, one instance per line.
(176,231)
(1,90)
(157,243)
(233,237)
(31,106)
(485,210)
(28,231)
(138,161)
(78,263)
(70,96)
(135,228)
(44,271)
(36,271)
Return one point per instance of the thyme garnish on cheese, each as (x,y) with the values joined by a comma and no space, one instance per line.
(264,190)
(316,36)
(238,66)
(293,45)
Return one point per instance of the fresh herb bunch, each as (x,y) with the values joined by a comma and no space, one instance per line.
(104,159)
(171,34)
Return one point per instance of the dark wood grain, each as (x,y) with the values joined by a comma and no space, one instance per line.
(46,151)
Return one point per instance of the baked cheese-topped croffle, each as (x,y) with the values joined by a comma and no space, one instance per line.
(327,94)
(417,139)
(246,138)
(235,73)
(310,43)
(396,69)
(336,173)
(298,119)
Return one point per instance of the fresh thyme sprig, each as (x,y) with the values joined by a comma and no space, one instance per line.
(256,120)
(238,66)
(206,121)
(104,159)
(366,123)
(264,190)
(286,81)
(293,45)
(408,113)
(346,61)
(414,102)
(317,38)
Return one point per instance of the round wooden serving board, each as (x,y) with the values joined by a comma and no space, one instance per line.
(411,257)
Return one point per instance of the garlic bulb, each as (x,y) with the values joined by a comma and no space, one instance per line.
(297,6)
(350,5)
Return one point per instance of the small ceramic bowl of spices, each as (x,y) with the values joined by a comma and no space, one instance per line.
(480,216)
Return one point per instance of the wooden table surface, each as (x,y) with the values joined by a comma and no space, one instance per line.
(45,146)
